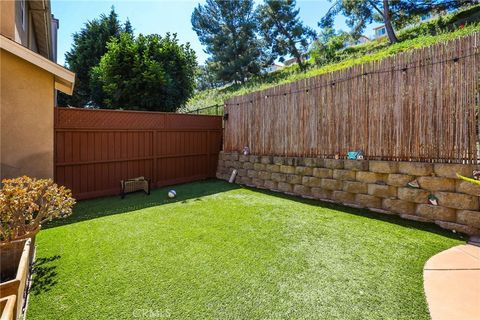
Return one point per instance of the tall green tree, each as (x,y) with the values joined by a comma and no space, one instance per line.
(283,31)
(324,49)
(227,29)
(392,13)
(89,45)
(205,77)
(127,27)
(149,72)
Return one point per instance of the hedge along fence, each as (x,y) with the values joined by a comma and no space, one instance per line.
(415,106)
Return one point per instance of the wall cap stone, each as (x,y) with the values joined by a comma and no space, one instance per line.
(415,168)
(383,166)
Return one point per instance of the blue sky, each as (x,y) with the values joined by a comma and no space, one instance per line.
(156,16)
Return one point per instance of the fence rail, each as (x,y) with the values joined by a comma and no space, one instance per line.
(95,149)
(215,109)
(421,105)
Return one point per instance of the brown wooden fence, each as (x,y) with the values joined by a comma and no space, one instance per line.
(419,105)
(95,149)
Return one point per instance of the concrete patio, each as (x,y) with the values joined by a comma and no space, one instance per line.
(452,283)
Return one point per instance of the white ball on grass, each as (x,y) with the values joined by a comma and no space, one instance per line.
(172,193)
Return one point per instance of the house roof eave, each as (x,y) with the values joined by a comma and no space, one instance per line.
(64,78)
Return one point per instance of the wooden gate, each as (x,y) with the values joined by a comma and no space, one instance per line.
(95,149)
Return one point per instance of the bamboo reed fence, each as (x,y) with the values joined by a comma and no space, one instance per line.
(420,105)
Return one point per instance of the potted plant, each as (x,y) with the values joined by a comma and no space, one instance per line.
(25,204)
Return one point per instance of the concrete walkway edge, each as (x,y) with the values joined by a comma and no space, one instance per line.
(452,283)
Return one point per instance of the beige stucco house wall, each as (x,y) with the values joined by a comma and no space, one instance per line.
(27,89)
(26,118)
(28,82)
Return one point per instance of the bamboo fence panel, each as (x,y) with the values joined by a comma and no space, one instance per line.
(420,105)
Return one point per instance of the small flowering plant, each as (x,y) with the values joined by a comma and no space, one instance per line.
(26,203)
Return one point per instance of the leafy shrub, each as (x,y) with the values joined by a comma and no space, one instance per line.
(324,50)
(149,72)
(26,203)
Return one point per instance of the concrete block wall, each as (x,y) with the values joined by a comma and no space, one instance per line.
(377,185)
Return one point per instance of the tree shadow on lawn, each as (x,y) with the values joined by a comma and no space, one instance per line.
(44,274)
(363,212)
(106,206)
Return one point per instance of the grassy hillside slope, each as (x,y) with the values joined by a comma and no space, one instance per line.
(426,34)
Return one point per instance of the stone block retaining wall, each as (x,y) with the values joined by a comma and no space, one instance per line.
(377,185)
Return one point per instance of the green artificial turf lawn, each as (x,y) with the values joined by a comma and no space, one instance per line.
(222,252)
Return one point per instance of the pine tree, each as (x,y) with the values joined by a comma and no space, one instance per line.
(127,28)
(227,29)
(283,31)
